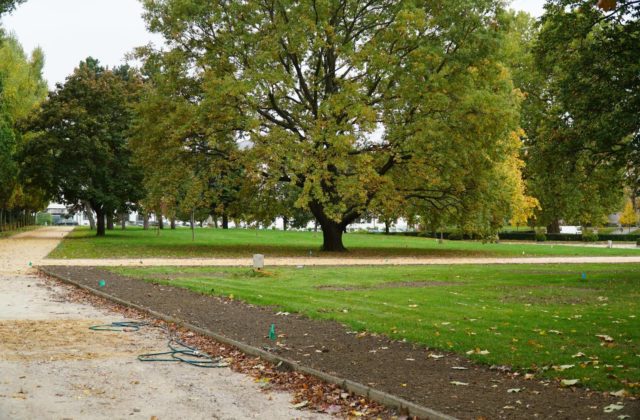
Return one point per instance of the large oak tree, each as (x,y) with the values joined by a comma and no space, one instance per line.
(358,102)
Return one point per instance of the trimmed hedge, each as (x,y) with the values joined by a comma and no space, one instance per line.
(524,236)
(627,238)
(566,237)
(518,236)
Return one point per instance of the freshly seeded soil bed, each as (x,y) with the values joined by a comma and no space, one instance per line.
(427,377)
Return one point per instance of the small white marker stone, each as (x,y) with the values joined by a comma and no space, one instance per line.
(258,261)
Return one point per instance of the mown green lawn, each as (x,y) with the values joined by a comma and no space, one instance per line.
(535,318)
(137,243)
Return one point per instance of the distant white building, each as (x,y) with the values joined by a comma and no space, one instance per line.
(61,215)
(571,230)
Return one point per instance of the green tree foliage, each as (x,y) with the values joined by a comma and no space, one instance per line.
(357,103)
(585,133)
(77,143)
(188,166)
(21,89)
(7,6)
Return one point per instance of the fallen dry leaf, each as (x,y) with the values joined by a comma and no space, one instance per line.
(621,393)
(562,367)
(458,383)
(613,407)
(605,337)
(514,390)
(569,382)
(478,351)
(301,404)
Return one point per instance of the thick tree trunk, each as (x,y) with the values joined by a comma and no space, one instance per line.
(331,230)
(173,223)
(225,221)
(386,227)
(145,221)
(160,221)
(285,223)
(109,217)
(554,227)
(100,223)
(332,236)
(123,220)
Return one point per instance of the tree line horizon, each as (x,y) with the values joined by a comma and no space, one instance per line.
(448,113)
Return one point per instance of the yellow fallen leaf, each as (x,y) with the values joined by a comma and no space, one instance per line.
(621,393)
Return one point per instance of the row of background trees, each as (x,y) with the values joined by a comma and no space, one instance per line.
(22,88)
(458,113)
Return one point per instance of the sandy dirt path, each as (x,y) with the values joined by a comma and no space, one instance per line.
(53,366)
(32,246)
(321,261)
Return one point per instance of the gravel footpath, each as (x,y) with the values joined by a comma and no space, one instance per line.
(247,262)
(52,366)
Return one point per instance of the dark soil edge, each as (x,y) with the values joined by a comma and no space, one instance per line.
(366,391)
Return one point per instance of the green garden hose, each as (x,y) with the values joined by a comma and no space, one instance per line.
(179,351)
(125,326)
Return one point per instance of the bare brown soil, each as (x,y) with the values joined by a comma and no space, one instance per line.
(419,374)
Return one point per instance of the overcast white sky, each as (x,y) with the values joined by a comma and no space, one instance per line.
(71,30)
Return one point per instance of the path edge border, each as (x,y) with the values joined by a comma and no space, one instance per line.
(381,397)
